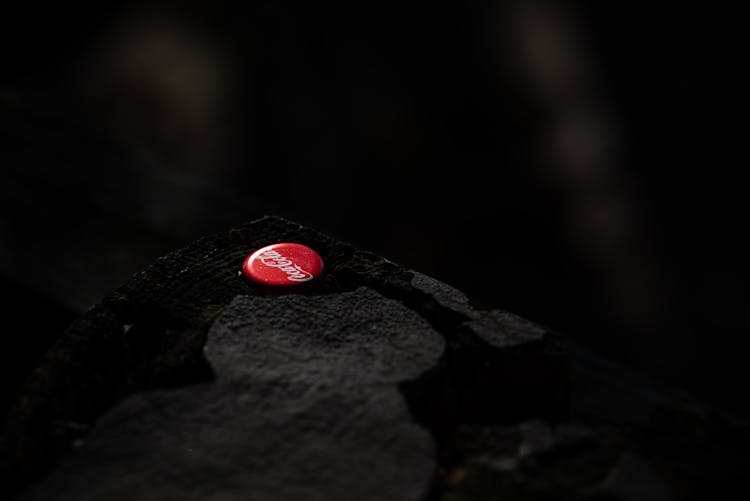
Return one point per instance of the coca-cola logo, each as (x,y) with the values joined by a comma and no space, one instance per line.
(283,264)
(294,273)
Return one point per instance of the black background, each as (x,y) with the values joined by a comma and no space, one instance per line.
(578,163)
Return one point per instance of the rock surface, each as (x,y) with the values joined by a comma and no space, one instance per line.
(305,406)
(376,382)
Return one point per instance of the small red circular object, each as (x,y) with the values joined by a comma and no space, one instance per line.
(283,264)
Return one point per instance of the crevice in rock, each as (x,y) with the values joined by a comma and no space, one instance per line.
(476,381)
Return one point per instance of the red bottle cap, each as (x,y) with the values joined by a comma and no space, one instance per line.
(283,264)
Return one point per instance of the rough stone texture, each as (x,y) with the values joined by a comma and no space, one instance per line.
(444,295)
(305,406)
(369,331)
(376,382)
(265,441)
(357,338)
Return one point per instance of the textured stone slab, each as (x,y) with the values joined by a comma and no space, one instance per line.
(306,406)
(354,338)
(376,383)
(262,442)
(406,359)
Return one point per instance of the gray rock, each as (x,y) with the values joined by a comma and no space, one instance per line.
(306,406)
(261,441)
(190,382)
(445,295)
(500,329)
(354,338)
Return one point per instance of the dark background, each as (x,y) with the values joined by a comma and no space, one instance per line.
(578,163)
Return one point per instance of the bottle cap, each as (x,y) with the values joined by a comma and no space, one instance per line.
(283,264)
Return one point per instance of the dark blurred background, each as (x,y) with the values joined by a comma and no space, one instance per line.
(579,163)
